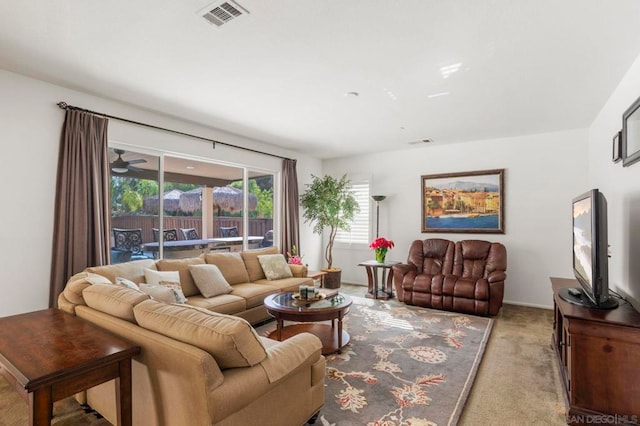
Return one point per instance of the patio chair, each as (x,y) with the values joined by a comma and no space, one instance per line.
(267,241)
(190,233)
(229,231)
(169,234)
(129,240)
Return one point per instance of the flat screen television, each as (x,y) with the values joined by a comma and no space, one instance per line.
(590,252)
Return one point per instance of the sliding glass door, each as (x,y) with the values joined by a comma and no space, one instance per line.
(204,206)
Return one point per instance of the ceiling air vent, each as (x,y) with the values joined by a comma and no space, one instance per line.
(219,13)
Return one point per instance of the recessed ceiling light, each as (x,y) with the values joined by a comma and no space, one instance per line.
(191,167)
(447,70)
(435,95)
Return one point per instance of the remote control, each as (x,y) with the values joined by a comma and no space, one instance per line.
(575,292)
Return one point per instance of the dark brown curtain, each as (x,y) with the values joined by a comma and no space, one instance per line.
(82,211)
(290,230)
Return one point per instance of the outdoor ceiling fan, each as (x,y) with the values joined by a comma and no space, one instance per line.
(121,166)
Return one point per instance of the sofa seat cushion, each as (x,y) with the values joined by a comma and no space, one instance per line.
(189,287)
(253,293)
(231,265)
(114,300)
(133,270)
(223,304)
(287,284)
(422,284)
(251,262)
(230,340)
(468,288)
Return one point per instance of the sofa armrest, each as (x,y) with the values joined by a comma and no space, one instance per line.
(399,272)
(496,276)
(299,271)
(285,357)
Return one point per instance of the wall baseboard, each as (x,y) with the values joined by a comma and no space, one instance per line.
(530,305)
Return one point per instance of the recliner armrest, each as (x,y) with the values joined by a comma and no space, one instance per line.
(404,268)
(285,357)
(496,276)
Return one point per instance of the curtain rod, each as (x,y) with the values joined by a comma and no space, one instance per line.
(65,106)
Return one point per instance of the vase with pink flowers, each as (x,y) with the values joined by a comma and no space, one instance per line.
(380,246)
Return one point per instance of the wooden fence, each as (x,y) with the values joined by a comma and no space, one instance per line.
(257,227)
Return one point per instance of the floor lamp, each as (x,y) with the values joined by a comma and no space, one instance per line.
(377,199)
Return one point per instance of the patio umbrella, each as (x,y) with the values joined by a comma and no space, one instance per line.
(171,202)
(229,199)
(225,198)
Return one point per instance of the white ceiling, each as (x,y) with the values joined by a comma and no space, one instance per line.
(280,73)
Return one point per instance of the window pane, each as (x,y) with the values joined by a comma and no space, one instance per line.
(359,232)
(134,214)
(261,217)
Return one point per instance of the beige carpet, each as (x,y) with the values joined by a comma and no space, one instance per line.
(517,383)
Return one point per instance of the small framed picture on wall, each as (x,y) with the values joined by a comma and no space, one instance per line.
(617,140)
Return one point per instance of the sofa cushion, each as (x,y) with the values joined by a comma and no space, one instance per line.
(189,287)
(251,262)
(159,292)
(133,270)
(114,300)
(97,279)
(123,282)
(231,265)
(169,279)
(209,280)
(253,293)
(275,266)
(223,304)
(230,340)
(286,284)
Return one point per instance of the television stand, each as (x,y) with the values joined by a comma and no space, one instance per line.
(597,351)
(576,296)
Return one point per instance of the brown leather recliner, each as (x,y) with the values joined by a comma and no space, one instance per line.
(466,276)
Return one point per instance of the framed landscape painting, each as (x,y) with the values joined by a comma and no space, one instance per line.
(470,202)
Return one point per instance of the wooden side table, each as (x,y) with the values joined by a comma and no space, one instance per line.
(317,275)
(373,290)
(49,355)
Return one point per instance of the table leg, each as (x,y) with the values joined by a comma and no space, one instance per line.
(279,329)
(123,394)
(340,332)
(390,284)
(375,282)
(370,289)
(40,407)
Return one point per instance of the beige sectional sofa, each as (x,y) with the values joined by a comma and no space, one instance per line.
(201,362)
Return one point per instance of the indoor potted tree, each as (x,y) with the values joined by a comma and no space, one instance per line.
(329,203)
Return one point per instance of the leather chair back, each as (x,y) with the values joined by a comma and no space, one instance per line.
(477,259)
(432,256)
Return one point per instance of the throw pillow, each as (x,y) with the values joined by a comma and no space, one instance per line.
(123,282)
(209,280)
(275,266)
(97,279)
(158,292)
(170,279)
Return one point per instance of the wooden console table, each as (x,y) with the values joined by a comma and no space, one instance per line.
(598,357)
(49,355)
(373,290)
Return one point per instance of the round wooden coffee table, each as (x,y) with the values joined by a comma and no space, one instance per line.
(284,307)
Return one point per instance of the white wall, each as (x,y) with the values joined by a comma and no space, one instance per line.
(542,174)
(621,187)
(30,125)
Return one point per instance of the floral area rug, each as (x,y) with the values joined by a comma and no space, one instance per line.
(404,365)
